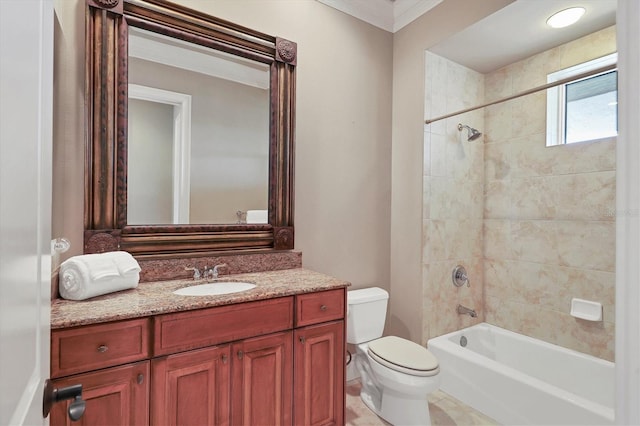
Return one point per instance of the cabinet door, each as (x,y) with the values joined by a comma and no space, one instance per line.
(262,380)
(191,388)
(319,374)
(114,396)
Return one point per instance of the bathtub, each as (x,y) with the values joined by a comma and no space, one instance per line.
(518,380)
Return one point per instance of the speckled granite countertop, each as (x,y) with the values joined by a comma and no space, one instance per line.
(153,298)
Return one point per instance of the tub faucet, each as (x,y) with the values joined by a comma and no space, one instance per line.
(466,311)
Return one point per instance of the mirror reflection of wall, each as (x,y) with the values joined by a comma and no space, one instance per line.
(229,147)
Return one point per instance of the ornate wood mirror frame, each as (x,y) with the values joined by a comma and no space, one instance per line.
(107,23)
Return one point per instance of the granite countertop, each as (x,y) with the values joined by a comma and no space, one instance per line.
(154,298)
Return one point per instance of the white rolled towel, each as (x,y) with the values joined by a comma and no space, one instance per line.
(257,216)
(91,275)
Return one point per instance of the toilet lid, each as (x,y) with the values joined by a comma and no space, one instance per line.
(404,356)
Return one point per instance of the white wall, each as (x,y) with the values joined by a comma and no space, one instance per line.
(628,219)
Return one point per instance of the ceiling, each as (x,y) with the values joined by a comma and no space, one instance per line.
(390,15)
(515,32)
(519,31)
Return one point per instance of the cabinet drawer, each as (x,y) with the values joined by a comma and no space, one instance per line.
(319,307)
(97,346)
(206,327)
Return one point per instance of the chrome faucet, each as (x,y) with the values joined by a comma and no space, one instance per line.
(196,273)
(216,270)
(207,273)
(466,311)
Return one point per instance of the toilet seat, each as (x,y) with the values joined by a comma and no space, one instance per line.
(403,356)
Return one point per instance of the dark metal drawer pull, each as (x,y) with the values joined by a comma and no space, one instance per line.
(323,308)
(103,348)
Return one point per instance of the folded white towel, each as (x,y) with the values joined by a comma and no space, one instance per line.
(91,275)
(101,266)
(257,216)
(125,262)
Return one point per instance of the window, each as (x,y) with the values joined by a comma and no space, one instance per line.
(586,109)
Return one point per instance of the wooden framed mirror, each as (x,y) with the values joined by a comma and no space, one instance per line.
(108,226)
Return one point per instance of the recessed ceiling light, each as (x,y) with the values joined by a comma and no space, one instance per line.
(566,17)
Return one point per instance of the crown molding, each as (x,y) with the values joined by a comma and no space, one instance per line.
(390,15)
(407,11)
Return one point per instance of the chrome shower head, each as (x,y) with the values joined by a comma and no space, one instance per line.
(472,134)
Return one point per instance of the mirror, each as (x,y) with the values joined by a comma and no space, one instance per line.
(198,133)
(190,133)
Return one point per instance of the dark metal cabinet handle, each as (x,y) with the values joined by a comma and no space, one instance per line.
(240,354)
(302,339)
(103,348)
(323,308)
(140,378)
(53,395)
(225,358)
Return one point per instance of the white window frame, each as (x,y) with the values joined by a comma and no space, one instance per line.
(556,107)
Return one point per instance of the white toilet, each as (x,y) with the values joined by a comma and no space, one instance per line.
(396,374)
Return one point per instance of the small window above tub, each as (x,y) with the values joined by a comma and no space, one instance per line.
(584,109)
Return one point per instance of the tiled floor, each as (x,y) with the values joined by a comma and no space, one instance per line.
(444,409)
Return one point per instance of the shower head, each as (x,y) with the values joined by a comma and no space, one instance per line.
(472,134)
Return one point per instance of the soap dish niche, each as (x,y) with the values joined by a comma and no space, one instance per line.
(586,309)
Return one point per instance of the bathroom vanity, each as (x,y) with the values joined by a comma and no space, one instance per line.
(271,355)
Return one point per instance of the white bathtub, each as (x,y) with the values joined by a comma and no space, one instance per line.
(518,380)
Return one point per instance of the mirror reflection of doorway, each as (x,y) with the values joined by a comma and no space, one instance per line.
(158,188)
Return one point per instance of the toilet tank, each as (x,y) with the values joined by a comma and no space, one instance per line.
(367,311)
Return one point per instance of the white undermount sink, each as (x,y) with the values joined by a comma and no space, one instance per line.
(215,289)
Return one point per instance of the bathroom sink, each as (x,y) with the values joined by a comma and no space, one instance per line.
(215,289)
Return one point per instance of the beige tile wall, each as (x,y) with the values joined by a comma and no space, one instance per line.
(453,197)
(549,234)
(532,224)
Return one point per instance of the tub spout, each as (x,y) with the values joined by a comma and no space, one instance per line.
(466,311)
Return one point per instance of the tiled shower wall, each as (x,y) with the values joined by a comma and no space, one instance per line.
(453,175)
(549,226)
(533,225)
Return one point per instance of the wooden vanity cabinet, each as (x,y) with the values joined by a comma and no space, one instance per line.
(191,388)
(262,380)
(319,359)
(319,375)
(195,387)
(91,347)
(114,395)
(247,381)
(277,361)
